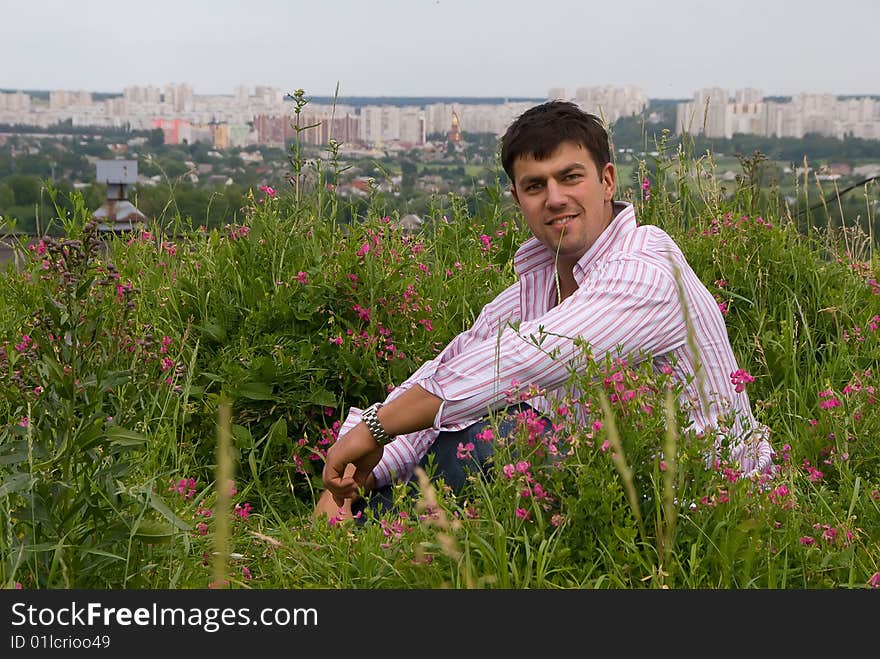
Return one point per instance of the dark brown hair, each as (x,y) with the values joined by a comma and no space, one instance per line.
(540,130)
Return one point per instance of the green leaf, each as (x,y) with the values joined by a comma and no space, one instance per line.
(151,530)
(213,331)
(244,440)
(159,505)
(195,391)
(123,437)
(255,391)
(43,546)
(98,552)
(278,432)
(115,378)
(14,453)
(15,483)
(321,396)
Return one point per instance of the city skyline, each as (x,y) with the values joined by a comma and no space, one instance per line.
(442,48)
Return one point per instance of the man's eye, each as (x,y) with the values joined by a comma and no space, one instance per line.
(572,177)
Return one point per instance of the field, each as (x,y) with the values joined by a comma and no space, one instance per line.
(168,397)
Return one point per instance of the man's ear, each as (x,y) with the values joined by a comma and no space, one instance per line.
(514,195)
(609,181)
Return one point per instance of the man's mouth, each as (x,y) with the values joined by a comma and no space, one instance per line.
(561,220)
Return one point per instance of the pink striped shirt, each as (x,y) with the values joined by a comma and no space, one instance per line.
(627,303)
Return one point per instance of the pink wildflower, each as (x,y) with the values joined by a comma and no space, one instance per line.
(243,511)
(26,341)
(740,378)
(486,435)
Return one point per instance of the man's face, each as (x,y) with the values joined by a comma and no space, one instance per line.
(565,200)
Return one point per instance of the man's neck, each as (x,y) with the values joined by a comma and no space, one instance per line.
(565,283)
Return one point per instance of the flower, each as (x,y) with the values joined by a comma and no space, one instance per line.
(740,378)
(486,435)
(270,191)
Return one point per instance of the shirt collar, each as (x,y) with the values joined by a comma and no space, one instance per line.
(533,255)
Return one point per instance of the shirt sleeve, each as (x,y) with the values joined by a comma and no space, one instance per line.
(401,456)
(628,304)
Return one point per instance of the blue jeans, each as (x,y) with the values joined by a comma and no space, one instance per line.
(442,461)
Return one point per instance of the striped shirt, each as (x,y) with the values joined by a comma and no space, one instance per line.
(631,284)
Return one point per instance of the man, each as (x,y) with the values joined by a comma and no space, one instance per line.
(589,271)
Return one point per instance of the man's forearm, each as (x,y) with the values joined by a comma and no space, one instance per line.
(415,409)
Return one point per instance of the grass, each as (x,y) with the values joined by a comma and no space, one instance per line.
(122,355)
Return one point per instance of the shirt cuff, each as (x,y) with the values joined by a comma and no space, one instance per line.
(353,418)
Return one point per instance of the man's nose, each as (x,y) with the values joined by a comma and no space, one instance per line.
(555,196)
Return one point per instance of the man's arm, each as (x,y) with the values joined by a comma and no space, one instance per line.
(630,306)
(403,454)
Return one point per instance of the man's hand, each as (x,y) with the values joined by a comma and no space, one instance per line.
(357,447)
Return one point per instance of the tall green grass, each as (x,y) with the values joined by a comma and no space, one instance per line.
(119,354)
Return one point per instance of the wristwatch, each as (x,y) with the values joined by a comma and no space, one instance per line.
(369,417)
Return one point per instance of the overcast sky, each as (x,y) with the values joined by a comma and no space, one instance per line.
(507,48)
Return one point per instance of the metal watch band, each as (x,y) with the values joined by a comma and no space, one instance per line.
(369,417)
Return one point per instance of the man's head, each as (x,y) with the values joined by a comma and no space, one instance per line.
(540,130)
(562,178)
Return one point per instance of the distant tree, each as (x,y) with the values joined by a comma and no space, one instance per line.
(25,188)
(172,168)
(7,197)
(94,195)
(199,152)
(24,217)
(156,138)
(35,165)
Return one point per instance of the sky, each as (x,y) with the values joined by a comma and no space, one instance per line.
(461,48)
